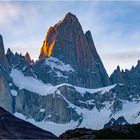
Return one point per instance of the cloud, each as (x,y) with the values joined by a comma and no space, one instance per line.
(8,12)
(125,59)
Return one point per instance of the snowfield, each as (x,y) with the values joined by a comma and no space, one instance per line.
(91,119)
(55,63)
(37,86)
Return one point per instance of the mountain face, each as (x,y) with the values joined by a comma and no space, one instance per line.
(68,86)
(15,128)
(5,96)
(3,60)
(67,42)
(27,57)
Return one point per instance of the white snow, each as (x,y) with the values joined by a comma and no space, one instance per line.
(93,119)
(37,86)
(59,65)
(14,92)
(57,129)
(102,90)
(42,110)
(129,111)
(24,68)
(30,83)
(59,74)
(10,84)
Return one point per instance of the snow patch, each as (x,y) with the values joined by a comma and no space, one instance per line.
(42,110)
(57,129)
(55,63)
(59,74)
(29,83)
(14,92)
(36,86)
(10,84)
(92,119)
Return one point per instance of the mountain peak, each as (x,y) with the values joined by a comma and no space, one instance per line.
(28,58)
(3,59)
(67,42)
(1,43)
(138,63)
(118,68)
(9,51)
(70,16)
(68,25)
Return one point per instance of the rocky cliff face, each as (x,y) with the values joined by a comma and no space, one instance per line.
(67,42)
(3,60)
(27,58)
(5,96)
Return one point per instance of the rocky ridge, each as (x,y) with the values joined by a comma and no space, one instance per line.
(69,82)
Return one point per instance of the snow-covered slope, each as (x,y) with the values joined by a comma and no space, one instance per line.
(92,119)
(93,107)
(37,86)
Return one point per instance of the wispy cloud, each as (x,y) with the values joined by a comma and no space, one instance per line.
(8,12)
(125,59)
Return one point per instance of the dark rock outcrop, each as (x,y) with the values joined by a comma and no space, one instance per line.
(5,95)
(67,42)
(3,60)
(114,132)
(28,58)
(117,76)
(120,121)
(79,133)
(15,128)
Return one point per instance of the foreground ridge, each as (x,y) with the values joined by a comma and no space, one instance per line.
(15,128)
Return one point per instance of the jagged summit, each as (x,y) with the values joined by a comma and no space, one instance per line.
(3,59)
(28,58)
(67,42)
(70,17)
(69,22)
(138,63)
(9,51)
(118,68)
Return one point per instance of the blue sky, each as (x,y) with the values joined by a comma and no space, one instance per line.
(115,27)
